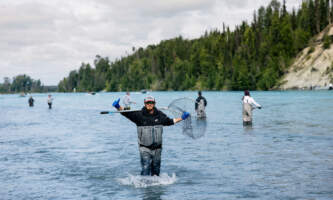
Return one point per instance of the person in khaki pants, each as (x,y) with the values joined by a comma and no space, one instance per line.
(249,104)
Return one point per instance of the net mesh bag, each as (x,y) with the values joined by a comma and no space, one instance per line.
(193,126)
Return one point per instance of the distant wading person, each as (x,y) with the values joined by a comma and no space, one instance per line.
(31,101)
(248,105)
(149,121)
(127,101)
(200,105)
(49,101)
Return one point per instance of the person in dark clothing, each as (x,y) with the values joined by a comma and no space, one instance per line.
(200,105)
(150,121)
(31,101)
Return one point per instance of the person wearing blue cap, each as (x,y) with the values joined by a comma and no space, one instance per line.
(150,121)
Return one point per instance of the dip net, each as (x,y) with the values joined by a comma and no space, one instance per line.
(193,126)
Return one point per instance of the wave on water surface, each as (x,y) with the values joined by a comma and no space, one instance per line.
(148,181)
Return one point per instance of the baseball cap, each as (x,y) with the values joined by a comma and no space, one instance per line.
(149,99)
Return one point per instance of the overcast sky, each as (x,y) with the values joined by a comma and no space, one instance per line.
(48,39)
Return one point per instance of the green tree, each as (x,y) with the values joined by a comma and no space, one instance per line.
(253,55)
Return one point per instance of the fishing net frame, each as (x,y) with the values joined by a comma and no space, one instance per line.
(192,126)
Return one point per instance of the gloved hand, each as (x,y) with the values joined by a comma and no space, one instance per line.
(185,115)
(116,103)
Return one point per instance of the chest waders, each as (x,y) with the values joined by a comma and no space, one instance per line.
(247,114)
(201,110)
(31,102)
(150,147)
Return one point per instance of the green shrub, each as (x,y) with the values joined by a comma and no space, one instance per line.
(327,42)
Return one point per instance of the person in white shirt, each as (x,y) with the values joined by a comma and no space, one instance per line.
(49,101)
(248,105)
(127,101)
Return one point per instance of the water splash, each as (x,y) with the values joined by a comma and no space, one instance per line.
(147,181)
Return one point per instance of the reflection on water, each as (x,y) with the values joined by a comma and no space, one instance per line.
(153,193)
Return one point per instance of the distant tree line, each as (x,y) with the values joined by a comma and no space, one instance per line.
(253,56)
(23,83)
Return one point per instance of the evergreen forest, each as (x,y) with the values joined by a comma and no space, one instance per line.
(24,83)
(253,56)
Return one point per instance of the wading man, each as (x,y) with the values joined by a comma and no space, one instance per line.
(248,105)
(150,121)
(31,101)
(200,105)
(127,101)
(49,101)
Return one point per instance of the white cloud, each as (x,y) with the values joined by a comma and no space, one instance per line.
(47,39)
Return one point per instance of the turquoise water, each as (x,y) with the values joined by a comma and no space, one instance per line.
(73,152)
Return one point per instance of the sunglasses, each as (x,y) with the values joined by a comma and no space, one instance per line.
(150,102)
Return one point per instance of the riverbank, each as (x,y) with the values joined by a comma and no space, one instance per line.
(313,67)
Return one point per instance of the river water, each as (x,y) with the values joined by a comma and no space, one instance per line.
(73,152)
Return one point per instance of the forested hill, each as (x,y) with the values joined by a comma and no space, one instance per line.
(24,83)
(253,56)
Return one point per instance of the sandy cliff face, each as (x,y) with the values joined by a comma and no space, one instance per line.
(313,67)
